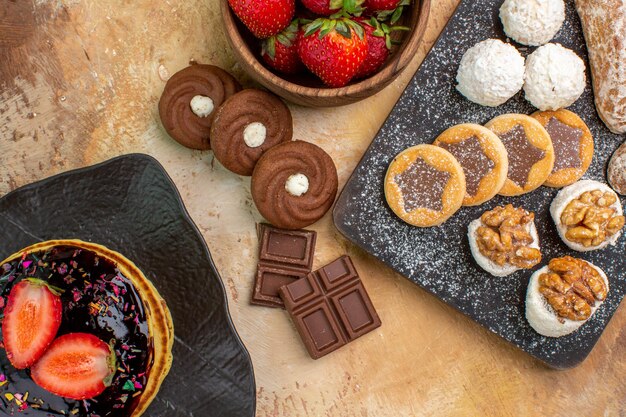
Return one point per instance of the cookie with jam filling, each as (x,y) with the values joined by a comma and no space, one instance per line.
(425,185)
(530,151)
(483,158)
(573,146)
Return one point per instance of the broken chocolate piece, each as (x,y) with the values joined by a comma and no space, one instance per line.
(330,307)
(284,256)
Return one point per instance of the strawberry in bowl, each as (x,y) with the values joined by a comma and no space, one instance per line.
(334,27)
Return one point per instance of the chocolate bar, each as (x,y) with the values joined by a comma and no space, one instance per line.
(330,307)
(284,256)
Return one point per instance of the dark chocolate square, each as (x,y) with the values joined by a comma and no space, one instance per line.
(269,280)
(284,256)
(294,248)
(329,306)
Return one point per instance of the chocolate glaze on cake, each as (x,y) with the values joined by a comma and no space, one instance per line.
(97,299)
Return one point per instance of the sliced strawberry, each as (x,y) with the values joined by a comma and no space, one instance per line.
(77,366)
(31,321)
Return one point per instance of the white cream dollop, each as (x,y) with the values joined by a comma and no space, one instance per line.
(532,22)
(297,184)
(202,106)
(491,72)
(254,134)
(555,77)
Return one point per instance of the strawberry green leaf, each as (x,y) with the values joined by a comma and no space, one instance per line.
(312,27)
(397,14)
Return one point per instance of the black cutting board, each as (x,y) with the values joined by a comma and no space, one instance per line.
(438,259)
(131,205)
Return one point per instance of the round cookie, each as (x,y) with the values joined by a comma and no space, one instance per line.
(187,105)
(616,172)
(482,157)
(539,312)
(246,126)
(519,226)
(573,146)
(294,184)
(424,185)
(576,222)
(530,152)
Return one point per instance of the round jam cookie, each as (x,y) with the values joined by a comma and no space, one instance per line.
(104,295)
(563,295)
(588,215)
(504,240)
(616,172)
(246,126)
(189,101)
(483,158)
(530,152)
(573,146)
(425,185)
(294,184)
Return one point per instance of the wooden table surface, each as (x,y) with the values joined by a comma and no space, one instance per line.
(79,83)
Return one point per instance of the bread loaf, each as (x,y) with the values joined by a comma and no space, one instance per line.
(604,25)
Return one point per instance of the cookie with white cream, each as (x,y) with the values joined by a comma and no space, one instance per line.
(247,125)
(189,101)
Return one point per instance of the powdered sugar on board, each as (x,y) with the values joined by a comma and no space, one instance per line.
(439,259)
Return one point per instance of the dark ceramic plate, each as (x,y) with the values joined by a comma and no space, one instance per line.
(130,205)
(438,259)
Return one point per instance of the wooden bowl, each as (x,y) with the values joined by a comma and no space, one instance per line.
(308,90)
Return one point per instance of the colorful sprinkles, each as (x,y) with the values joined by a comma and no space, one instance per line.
(97,299)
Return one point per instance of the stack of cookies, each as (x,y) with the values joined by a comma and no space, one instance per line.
(294,183)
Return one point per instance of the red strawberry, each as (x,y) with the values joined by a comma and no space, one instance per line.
(328,7)
(378,45)
(333,49)
(77,366)
(380,5)
(264,18)
(31,320)
(280,51)
(386,8)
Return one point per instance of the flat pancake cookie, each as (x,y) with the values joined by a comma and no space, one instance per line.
(483,158)
(425,185)
(530,152)
(573,146)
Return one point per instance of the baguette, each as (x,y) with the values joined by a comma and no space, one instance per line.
(604,26)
